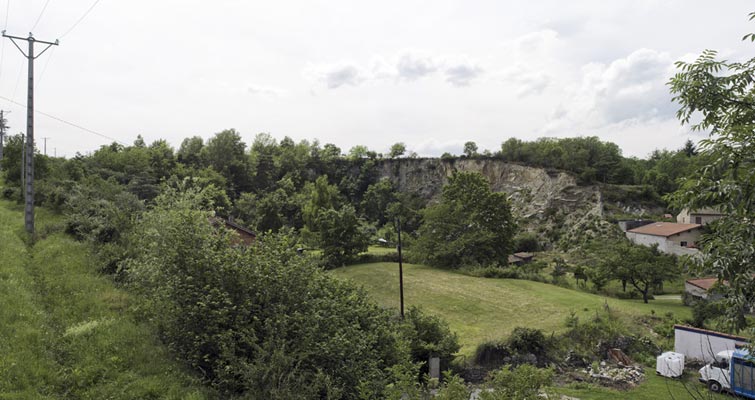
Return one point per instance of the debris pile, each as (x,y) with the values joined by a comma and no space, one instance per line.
(618,376)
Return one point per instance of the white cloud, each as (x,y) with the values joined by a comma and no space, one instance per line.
(629,90)
(412,66)
(265,91)
(461,72)
(528,81)
(406,66)
(536,41)
(336,75)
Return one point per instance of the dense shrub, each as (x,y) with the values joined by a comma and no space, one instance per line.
(527,242)
(262,322)
(522,272)
(523,346)
(429,336)
(524,382)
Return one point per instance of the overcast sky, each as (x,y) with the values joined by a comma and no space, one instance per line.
(432,74)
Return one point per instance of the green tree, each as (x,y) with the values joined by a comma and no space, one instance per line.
(397,150)
(644,268)
(376,200)
(331,224)
(13,154)
(470,149)
(226,153)
(359,151)
(719,96)
(262,322)
(689,148)
(190,152)
(471,225)
(429,336)
(340,235)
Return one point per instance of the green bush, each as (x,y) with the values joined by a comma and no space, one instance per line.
(263,321)
(429,336)
(527,242)
(524,382)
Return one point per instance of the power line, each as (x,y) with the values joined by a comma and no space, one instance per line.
(80,19)
(66,122)
(7,11)
(18,79)
(5,26)
(40,16)
(44,69)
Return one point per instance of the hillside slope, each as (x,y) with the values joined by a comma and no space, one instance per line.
(67,332)
(479,309)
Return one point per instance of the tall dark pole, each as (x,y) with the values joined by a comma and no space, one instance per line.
(400,267)
(29,153)
(29,210)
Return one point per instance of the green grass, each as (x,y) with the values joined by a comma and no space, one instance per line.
(480,309)
(653,388)
(381,250)
(27,369)
(68,332)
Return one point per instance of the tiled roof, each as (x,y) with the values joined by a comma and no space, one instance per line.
(703,283)
(524,255)
(664,229)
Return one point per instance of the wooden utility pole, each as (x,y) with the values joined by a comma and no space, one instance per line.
(29,152)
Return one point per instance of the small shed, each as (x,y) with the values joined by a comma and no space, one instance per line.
(521,258)
(245,235)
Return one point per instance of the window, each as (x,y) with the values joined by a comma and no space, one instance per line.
(683,244)
(699,220)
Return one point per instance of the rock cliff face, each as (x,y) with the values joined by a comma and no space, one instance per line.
(549,203)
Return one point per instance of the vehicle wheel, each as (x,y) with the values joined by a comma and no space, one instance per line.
(714,386)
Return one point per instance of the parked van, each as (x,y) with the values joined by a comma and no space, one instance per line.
(733,371)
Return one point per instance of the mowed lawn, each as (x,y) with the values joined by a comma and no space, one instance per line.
(479,309)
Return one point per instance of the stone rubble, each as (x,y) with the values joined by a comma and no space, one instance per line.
(618,375)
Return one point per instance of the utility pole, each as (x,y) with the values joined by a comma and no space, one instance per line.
(29,153)
(400,267)
(45,139)
(2,132)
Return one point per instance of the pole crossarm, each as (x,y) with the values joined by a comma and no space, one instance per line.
(31,37)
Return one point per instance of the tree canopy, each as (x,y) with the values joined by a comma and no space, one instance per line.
(718,96)
(471,225)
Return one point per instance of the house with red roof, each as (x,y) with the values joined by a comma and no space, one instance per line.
(701,287)
(671,238)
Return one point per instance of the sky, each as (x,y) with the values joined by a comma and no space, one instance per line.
(431,74)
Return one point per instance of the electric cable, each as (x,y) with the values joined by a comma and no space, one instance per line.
(66,122)
(80,19)
(40,16)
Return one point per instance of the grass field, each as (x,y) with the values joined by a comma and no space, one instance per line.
(479,309)
(653,388)
(68,332)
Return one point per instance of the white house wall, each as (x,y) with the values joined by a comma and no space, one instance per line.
(647,240)
(695,290)
(671,245)
(702,345)
(691,237)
